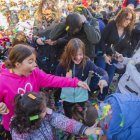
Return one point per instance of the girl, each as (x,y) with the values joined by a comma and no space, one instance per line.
(118,116)
(33,120)
(74,63)
(22,74)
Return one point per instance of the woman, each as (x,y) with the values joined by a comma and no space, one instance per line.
(116,34)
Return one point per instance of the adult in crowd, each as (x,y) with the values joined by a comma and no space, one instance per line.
(116,38)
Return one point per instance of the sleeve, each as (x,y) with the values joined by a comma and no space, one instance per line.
(124,3)
(48,80)
(69,125)
(60,70)
(126,60)
(92,31)
(58,31)
(100,72)
(104,37)
(1,91)
(62,41)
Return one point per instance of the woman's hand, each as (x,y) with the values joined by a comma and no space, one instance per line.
(102,84)
(50,42)
(119,57)
(83,85)
(108,59)
(40,41)
(3,109)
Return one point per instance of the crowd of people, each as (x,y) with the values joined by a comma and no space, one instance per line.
(57,64)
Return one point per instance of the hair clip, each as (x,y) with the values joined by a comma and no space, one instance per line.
(97,107)
(31,96)
(35,117)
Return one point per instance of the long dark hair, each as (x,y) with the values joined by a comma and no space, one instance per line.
(25,107)
(122,15)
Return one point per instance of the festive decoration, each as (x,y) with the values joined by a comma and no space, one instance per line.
(32,118)
(122,122)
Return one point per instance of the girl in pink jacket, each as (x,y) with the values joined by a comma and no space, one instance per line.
(22,75)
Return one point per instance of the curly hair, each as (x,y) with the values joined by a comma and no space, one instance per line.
(70,51)
(121,16)
(25,107)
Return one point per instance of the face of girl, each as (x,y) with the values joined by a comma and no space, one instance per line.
(27,66)
(127,20)
(78,57)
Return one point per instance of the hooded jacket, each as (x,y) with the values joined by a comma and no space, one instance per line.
(12,84)
(125,120)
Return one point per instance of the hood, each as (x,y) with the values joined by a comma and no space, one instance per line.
(125,112)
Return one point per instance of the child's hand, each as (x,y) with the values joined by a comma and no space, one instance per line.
(119,57)
(83,85)
(102,84)
(3,109)
(69,74)
(108,59)
(93,130)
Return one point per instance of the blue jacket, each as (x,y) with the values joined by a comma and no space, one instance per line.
(78,94)
(126,109)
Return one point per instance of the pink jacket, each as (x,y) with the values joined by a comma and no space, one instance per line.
(12,84)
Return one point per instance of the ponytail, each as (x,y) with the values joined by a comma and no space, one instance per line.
(8,64)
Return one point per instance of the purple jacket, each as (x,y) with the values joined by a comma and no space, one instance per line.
(46,130)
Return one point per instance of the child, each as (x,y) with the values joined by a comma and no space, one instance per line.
(74,63)
(21,75)
(118,116)
(34,120)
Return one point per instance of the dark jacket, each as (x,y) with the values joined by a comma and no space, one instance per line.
(110,36)
(43,26)
(89,34)
(47,56)
(82,73)
(136,35)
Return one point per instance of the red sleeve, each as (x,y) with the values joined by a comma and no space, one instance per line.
(124,3)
